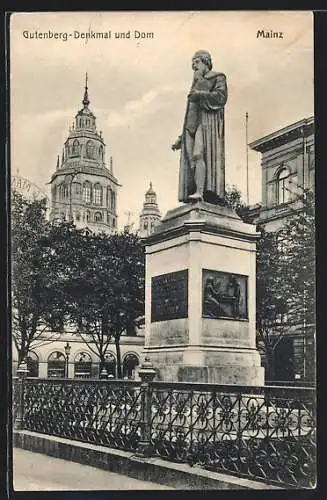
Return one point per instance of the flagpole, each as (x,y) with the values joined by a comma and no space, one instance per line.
(247,156)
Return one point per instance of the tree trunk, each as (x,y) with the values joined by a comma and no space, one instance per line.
(270,364)
(22,354)
(119,367)
(101,363)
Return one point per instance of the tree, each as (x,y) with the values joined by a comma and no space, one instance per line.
(297,266)
(297,262)
(32,316)
(270,303)
(128,286)
(233,199)
(286,279)
(102,288)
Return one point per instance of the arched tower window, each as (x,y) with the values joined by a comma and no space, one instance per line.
(89,149)
(63,191)
(76,147)
(109,192)
(98,217)
(60,191)
(283,192)
(66,190)
(88,216)
(97,194)
(87,192)
(113,201)
(101,152)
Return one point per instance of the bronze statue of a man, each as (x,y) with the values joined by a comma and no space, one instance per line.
(202,143)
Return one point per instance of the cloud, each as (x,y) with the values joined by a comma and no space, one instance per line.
(56,115)
(148,103)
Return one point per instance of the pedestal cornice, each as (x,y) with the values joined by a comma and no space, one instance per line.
(202,217)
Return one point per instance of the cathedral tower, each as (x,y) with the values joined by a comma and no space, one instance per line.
(83,188)
(150,215)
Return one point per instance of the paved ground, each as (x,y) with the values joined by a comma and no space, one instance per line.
(34,472)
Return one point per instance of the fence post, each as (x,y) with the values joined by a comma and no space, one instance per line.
(22,373)
(147,374)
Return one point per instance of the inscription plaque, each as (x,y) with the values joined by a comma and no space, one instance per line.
(224,295)
(169,296)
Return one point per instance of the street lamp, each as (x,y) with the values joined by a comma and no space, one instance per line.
(67,352)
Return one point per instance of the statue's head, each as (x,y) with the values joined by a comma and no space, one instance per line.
(200,58)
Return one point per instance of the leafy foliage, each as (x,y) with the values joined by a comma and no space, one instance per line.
(285,286)
(32,316)
(286,280)
(62,276)
(270,303)
(233,199)
(296,242)
(101,283)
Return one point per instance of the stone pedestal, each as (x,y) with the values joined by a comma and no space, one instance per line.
(200,297)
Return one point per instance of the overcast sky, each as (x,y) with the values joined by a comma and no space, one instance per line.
(138,88)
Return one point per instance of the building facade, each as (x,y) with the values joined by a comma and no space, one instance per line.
(150,214)
(83,188)
(287,164)
(288,167)
(48,357)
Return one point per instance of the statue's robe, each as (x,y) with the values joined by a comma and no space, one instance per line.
(206,112)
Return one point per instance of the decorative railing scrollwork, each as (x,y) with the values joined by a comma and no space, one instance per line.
(263,433)
(91,411)
(260,433)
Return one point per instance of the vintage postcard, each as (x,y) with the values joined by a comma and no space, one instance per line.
(162,170)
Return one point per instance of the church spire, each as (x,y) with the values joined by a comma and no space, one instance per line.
(86,101)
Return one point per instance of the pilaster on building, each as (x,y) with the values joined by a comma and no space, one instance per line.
(288,167)
(150,215)
(83,186)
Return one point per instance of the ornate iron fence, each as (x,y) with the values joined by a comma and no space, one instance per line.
(92,411)
(264,433)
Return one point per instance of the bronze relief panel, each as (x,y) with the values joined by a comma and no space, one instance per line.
(225,295)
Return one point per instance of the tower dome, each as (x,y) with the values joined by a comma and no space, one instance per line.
(150,214)
(83,189)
